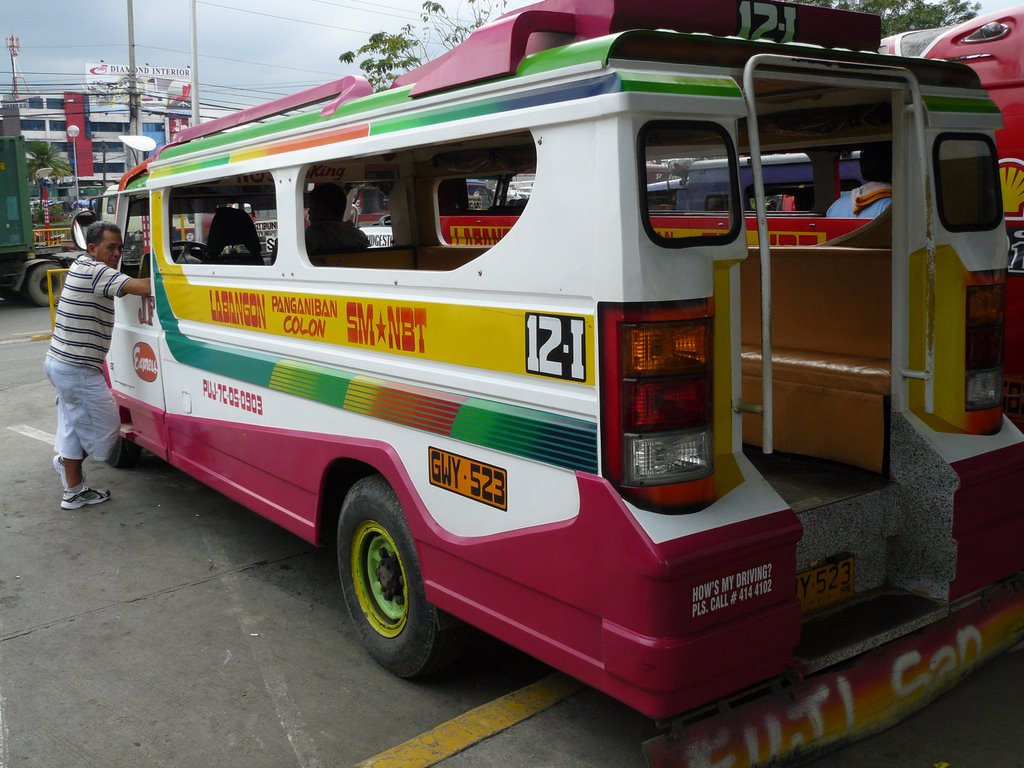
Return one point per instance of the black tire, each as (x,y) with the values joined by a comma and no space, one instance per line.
(34,287)
(125,454)
(383,586)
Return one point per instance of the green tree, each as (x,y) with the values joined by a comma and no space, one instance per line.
(906,15)
(386,55)
(42,154)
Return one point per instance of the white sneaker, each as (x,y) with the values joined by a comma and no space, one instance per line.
(85,496)
(58,465)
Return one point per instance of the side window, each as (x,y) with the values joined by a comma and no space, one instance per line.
(227,221)
(967,182)
(696,200)
(481,192)
(136,236)
(479,211)
(432,208)
(347,211)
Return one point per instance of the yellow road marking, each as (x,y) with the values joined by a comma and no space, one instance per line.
(476,725)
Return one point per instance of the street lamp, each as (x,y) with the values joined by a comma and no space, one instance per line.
(73,131)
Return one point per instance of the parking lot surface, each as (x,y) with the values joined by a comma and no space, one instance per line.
(171,627)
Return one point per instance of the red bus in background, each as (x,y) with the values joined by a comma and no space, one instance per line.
(991,45)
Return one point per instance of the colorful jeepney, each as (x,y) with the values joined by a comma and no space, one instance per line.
(593,420)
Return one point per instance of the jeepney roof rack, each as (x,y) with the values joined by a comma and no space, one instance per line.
(496,49)
(337,92)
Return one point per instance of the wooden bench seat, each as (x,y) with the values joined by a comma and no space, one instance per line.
(424,257)
(370,258)
(445,257)
(831,361)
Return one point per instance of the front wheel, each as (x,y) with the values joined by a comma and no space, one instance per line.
(383,587)
(125,454)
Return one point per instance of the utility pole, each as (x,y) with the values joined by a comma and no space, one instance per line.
(195,68)
(134,113)
(14,45)
(10,112)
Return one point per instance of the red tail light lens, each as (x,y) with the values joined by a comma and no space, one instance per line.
(666,403)
(983,352)
(984,347)
(656,433)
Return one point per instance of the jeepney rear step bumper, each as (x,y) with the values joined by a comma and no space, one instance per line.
(782,724)
(870,620)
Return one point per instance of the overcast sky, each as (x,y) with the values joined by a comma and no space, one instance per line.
(249,50)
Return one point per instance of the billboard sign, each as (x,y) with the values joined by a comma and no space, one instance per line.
(161,89)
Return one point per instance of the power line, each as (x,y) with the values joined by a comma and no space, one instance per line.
(375,8)
(241,61)
(285,18)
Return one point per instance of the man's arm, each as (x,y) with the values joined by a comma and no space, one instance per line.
(137,286)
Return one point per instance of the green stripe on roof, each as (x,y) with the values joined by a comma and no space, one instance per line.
(252,131)
(194,165)
(567,56)
(961,104)
(430,117)
(378,100)
(650,82)
(279,124)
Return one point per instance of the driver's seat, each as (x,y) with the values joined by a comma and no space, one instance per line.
(233,226)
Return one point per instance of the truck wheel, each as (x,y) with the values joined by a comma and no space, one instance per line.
(383,587)
(34,287)
(125,454)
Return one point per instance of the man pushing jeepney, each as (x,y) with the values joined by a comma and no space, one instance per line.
(87,419)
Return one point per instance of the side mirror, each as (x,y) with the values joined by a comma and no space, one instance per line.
(79,224)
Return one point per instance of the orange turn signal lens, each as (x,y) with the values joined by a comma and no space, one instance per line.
(984,305)
(660,349)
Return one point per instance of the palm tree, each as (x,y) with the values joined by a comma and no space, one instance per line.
(42,154)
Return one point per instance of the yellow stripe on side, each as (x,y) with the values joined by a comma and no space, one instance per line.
(491,338)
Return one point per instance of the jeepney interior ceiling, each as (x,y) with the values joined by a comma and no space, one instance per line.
(508,159)
(203,199)
(826,121)
(846,123)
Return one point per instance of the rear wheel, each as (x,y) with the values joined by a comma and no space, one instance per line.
(383,587)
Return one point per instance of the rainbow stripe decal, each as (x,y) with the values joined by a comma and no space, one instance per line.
(550,438)
(609,83)
(336,135)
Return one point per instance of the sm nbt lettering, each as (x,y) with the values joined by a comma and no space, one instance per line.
(394,327)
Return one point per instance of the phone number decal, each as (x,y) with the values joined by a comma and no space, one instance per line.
(475,480)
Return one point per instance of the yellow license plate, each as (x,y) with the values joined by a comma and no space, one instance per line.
(475,480)
(825,584)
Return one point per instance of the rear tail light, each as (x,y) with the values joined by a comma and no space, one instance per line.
(984,346)
(656,383)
